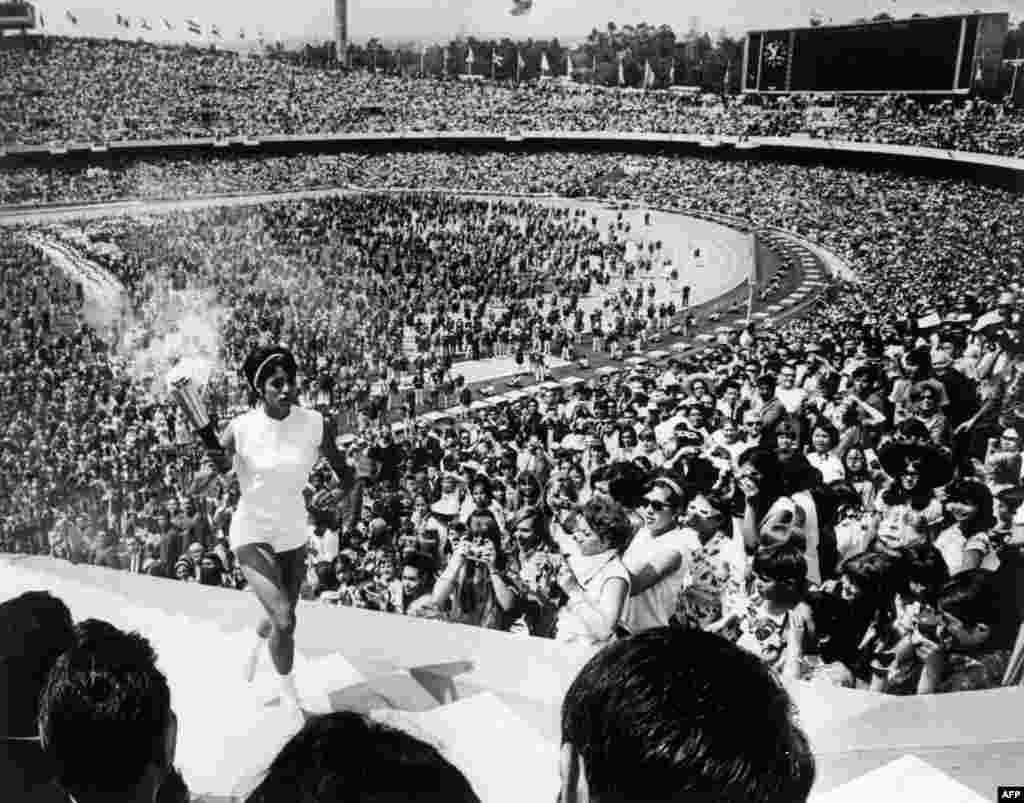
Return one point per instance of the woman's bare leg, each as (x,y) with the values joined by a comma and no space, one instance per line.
(264,576)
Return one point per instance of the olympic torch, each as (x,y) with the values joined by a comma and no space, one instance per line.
(185,395)
(182,385)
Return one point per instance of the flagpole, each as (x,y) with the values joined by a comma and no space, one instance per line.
(751,282)
(492,64)
(518,60)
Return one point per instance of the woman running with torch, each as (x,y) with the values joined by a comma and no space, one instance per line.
(272,449)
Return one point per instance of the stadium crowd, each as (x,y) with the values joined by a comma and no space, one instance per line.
(97,91)
(839,495)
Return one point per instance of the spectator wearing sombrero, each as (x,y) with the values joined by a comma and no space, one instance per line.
(907,511)
(697,386)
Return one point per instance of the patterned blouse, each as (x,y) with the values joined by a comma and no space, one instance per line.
(715,585)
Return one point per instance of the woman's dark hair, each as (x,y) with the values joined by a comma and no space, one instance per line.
(262,362)
(922,564)
(768,465)
(875,574)
(468,595)
(971,597)
(789,427)
(625,482)
(540,521)
(785,566)
(830,430)
(345,756)
(609,521)
(913,429)
(529,480)
(974,493)
(481,481)
(864,473)
(342,563)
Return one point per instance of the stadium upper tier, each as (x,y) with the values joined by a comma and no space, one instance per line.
(98,91)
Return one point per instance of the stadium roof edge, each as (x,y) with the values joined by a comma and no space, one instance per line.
(878,23)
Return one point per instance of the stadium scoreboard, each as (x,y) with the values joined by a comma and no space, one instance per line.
(935,55)
(17,15)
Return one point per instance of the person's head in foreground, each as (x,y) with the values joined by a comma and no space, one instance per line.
(105,717)
(346,758)
(683,716)
(35,628)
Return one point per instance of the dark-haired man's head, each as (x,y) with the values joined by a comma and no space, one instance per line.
(35,628)
(346,757)
(105,717)
(681,715)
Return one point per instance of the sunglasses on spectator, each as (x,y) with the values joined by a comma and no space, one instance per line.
(655,504)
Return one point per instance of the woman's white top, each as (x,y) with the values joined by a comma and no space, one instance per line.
(592,575)
(655,606)
(830,466)
(273,460)
(952,543)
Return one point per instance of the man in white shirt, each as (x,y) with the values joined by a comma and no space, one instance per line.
(792,397)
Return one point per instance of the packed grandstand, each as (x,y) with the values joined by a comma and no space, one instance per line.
(831,479)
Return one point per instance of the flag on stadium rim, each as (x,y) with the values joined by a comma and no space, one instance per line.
(193,27)
(72,18)
(648,75)
(167,23)
(544,66)
(215,31)
(241,33)
(144,24)
(470,58)
(497,58)
(521,62)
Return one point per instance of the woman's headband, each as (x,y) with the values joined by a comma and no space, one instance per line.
(255,381)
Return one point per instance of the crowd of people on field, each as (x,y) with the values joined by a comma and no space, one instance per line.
(99,91)
(839,495)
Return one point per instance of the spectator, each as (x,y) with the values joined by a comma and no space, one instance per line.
(592,575)
(105,693)
(648,697)
(35,628)
(344,756)
(659,556)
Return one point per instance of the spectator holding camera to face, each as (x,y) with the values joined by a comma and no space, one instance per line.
(475,587)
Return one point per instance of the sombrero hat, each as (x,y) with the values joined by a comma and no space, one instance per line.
(934,385)
(936,469)
(708,380)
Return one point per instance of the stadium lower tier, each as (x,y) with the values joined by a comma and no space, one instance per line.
(455,683)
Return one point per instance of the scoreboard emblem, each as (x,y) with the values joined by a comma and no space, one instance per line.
(775,53)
